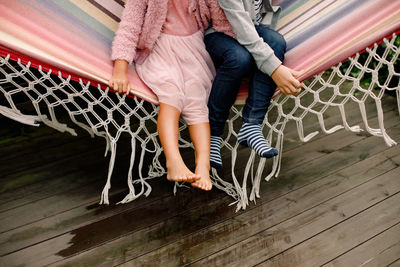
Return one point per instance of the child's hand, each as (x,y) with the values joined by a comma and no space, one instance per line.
(119,79)
(120,83)
(286,80)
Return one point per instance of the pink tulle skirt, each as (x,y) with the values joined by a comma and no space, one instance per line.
(180,72)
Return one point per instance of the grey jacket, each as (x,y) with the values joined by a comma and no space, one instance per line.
(242,17)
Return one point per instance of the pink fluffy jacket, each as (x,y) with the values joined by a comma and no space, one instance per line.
(142,21)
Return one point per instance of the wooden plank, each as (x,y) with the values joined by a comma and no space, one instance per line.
(48,179)
(87,173)
(381,250)
(42,173)
(80,197)
(15,136)
(396,263)
(41,224)
(64,198)
(272,241)
(109,228)
(45,181)
(202,236)
(341,237)
(23,186)
(84,220)
(58,149)
(288,220)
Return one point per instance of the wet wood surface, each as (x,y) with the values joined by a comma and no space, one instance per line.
(335,203)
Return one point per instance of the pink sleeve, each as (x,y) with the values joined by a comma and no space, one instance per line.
(205,16)
(127,36)
(219,21)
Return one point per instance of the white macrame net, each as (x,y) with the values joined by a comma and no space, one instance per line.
(105,114)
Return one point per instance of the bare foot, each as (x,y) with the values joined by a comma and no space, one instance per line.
(205,182)
(178,172)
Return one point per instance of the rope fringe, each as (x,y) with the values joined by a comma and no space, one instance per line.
(109,115)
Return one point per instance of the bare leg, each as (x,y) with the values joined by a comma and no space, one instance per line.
(200,135)
(168,130)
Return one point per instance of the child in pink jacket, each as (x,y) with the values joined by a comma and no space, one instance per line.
(165,39)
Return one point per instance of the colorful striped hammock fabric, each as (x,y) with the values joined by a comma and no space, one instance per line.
(75,35)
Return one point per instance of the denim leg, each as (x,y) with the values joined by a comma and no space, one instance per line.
(233,62)
(262,87)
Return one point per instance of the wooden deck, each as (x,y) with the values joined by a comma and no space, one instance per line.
(335,203)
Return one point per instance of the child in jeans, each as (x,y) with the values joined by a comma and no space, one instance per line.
(254,50)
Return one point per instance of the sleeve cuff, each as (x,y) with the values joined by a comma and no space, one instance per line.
(121,54)
(270,65)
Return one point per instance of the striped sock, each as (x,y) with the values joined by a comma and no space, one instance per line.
(251,135)
(215,153)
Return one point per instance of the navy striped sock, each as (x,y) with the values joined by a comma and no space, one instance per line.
(215,153)
(251,135)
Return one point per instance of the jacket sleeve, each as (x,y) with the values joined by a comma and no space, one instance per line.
(247,35)
(127,36)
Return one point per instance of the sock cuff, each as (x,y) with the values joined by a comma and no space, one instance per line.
(248,124)
(216,138)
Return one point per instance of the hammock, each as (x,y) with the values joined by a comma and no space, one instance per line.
(57,54)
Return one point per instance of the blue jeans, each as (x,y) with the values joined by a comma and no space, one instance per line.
(234,62)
